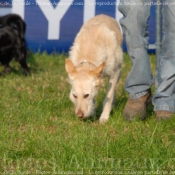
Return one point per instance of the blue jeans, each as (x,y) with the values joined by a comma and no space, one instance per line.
(135,24)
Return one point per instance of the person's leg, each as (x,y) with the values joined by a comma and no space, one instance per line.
(139,80)
(164,98)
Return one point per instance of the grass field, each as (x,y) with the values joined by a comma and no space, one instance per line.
(39,133)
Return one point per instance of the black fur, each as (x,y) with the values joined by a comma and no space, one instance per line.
(12,41)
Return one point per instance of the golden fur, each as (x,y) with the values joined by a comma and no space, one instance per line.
(96,52)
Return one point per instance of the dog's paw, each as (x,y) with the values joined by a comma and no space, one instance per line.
(103,119)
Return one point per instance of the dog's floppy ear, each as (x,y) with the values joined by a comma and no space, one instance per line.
(97,71)
(70,69)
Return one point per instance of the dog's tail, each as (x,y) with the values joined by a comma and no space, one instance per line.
(19,26)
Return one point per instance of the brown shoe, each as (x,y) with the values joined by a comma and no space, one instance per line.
(136,108)
(163,115)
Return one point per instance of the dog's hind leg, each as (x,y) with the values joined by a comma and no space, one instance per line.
(5,62)
(20,56)
(25,67)
(108,102)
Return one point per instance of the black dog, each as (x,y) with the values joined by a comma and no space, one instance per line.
(12,41)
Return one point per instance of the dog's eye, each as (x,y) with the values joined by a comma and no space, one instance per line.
(87,95)
(74,96)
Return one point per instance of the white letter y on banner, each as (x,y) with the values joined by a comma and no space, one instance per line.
(54,16)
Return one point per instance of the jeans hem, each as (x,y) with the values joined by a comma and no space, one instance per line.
(164,108)
(138,95)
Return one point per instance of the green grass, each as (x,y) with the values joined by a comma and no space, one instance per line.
(39,133)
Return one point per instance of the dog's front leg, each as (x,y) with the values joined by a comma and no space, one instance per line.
(107,104)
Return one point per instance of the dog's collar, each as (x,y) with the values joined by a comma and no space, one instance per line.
(84,61)
(87,62)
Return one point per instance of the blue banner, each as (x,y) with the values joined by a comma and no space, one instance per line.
(53,24)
